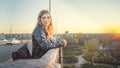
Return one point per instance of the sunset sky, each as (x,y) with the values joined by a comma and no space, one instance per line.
(75,16)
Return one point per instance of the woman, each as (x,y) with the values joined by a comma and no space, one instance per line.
(42,36)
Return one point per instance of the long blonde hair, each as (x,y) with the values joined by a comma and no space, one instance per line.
(50,29)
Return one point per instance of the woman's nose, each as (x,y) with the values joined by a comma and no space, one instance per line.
(46,19)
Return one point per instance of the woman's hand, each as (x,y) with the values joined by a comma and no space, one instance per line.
(63,42)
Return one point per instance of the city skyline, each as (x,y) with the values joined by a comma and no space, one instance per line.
(75,16)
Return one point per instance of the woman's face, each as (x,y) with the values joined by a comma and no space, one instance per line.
(45,19)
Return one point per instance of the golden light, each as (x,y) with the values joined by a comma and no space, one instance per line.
(118,31)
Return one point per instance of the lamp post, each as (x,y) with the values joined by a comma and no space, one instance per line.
(50,6)
(60,49)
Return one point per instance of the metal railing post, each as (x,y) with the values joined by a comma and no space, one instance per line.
(61,56)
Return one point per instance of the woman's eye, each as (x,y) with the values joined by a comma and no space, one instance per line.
(43,17)
(48,17)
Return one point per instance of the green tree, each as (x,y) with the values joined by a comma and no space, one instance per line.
(76,38)
(90,50)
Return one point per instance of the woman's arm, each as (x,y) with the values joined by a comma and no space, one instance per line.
(40,38)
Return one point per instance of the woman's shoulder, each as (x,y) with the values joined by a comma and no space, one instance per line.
(37,29)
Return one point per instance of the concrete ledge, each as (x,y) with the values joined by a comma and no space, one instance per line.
(30,63)
(49,60)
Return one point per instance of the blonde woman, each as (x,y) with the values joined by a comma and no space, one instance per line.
(42,35)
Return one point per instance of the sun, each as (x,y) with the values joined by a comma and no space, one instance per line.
(118,31)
